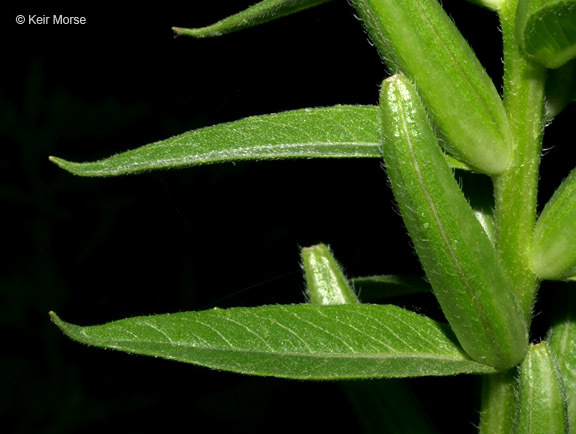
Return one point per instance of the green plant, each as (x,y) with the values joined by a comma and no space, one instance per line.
(484,254)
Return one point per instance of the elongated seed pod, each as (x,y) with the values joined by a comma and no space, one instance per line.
(459,260)
(546,30)
(553,251)
(418,39)
(325,280)
(542,400)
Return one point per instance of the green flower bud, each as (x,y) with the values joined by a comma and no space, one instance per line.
(459,259)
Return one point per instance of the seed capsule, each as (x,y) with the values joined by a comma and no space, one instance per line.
(417,38)
(553,252)
(459,260)
(542,400)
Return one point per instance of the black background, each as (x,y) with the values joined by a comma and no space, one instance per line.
(95,250)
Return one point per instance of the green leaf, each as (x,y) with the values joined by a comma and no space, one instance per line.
(562,341)
(292,341)
(259,13)
(325,280)
(334,132)
(418,38)
(553,251)
(541,403)
(546,30)
(459,259)
(372,288)
(560,89)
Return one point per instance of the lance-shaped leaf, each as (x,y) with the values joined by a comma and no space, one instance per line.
(562,341)
(333,132)
(541,402)
(292,341)
(459,259)
(560,89)
(259,13)
(546,30)
(553,251)
(325,280)
(417,38)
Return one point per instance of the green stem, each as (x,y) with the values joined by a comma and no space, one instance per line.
(516,190)
(498,403)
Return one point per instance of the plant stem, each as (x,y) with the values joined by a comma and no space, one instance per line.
(498,403)
(516,190)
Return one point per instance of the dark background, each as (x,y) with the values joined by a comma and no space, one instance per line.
(95,250)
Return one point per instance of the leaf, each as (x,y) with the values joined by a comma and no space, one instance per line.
(259,13)
(553,250)
(418,39)
(372,288)
(541,403)
(325,281)
(546,30)
(292,341)
(562,341)
(334,132)
(456,253)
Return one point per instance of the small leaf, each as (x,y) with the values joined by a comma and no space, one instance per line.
(562,341)
(325,280)
(546,30)
(553,251)
(373,288)
(541,403)
(334,132)
(418,39)
(259,13)
(560,89)
(459,259)
(293,341)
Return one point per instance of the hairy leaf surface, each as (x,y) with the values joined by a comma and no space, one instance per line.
(259,13)
(292,341)
(333,132)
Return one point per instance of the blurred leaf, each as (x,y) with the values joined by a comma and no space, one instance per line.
(373,288)
(546,30)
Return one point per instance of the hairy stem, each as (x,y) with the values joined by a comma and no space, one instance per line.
(498,403)
(516,189)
